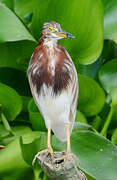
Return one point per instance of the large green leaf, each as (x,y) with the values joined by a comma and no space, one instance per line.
(110,20)
(11,102)
(109,50)
(12,165)
(35,117)
(89,70)
(80,117)
(82,18)
(8,3)
(24,9)
(16,54)
(114,137)
(17,131)
(12,28)
(31,149)
(97,155)
(13,81)
(91,96)
(108,79)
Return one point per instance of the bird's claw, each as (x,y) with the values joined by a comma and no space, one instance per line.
(50,151)
(65,157)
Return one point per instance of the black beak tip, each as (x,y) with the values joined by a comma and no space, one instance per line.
(70,35)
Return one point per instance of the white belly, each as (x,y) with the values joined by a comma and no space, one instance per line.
(55,110)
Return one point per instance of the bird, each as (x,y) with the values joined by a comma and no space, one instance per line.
(53,82)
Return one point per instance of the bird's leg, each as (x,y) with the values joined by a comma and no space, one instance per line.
(49,147)
(68,139)
(49,142)
(68,153)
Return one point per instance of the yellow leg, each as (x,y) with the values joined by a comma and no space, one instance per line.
(49,147)
(68,153)
(49,142)
(68,139)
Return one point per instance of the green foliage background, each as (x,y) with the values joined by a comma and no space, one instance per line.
(94,52)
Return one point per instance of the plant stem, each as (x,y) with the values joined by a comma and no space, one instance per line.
(108,120)
(44,177)
(6,124)
(36,173)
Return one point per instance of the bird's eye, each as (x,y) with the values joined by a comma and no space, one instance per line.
(53,29)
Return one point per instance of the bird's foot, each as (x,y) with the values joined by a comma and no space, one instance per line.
(65,157)
(48,150)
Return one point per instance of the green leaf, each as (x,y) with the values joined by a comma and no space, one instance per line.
(13,78)
(81,126)
(12,28)
(8,3)
(17,132)
(110,20)
(12,165)
(11,102)
(24,9)
(77,17)
(97,155)
(109,50)
(6,124)
(114,119)
(35,117)
(80,117)
(26,100)
(91,96)
(16,54)
(108,79)
(114,137)
(89,70)
(31,149)
(97,122)
(3,131)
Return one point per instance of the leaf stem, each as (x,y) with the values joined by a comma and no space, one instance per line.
(36,173)
(6,124)
(44,177)
(107,122)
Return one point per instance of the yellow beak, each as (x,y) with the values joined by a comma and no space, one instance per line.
(65,34)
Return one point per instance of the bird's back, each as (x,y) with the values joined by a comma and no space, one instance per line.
(54,85)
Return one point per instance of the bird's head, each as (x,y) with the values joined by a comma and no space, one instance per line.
(53,30)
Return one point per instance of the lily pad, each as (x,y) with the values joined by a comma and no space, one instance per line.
(91,96)
(80,117)
(110,20)
(17,132)
(13,81)
(108,79)
(12,164)
(11,102)
(30,150)
(35,117)
(97,155)
(16,54)
(12,29)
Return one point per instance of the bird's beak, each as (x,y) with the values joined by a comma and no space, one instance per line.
(64,34)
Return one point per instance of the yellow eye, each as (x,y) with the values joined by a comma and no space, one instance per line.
(52,29)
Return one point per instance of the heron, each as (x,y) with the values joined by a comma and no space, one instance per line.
(53,82)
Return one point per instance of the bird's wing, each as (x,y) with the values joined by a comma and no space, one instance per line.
(74,89)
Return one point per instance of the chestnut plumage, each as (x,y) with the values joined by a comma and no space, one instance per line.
(53,80)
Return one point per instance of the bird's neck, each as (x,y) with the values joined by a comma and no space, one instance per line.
(50,42)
